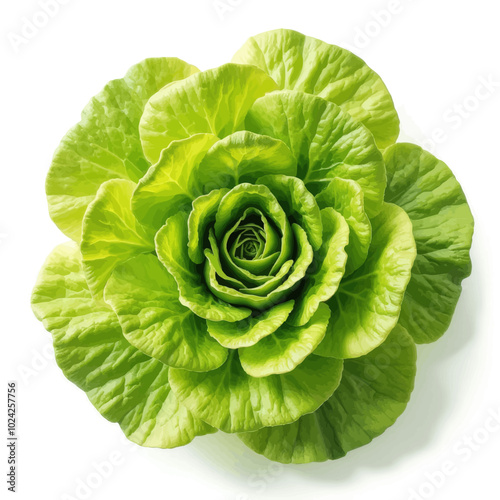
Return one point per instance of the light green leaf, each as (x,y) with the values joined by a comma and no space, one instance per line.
(232,401)
(442,226)
(298,203)
(374,391)
(327,268)
(144,296)
(218,101)
(346,197)
(171,185)
(299,62)
(201,217)
(111,233)
(125,385)
(249,331)
(326,141)
(171,247)
(367,304)
(286,348)
(105,144)
(243,157)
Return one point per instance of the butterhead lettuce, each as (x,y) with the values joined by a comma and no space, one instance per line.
(251,251)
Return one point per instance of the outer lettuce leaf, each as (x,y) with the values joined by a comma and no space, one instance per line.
(286,348)
(144,296)
(111,233)
(232,401)
(125,385)
(218,102)
(367,304)
(326,141)
(244,157)
(298,62)
(373,393)
(171,185)
(442,226)
(249,331)
(171,247)
(328,266)
(346,197)
(105,144)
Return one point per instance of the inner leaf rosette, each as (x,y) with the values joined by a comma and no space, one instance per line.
(243,254)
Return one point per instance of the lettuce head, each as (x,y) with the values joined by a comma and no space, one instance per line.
(251,251)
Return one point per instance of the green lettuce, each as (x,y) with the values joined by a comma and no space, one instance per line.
(252,251)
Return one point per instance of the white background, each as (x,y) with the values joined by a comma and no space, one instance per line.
(432,55)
